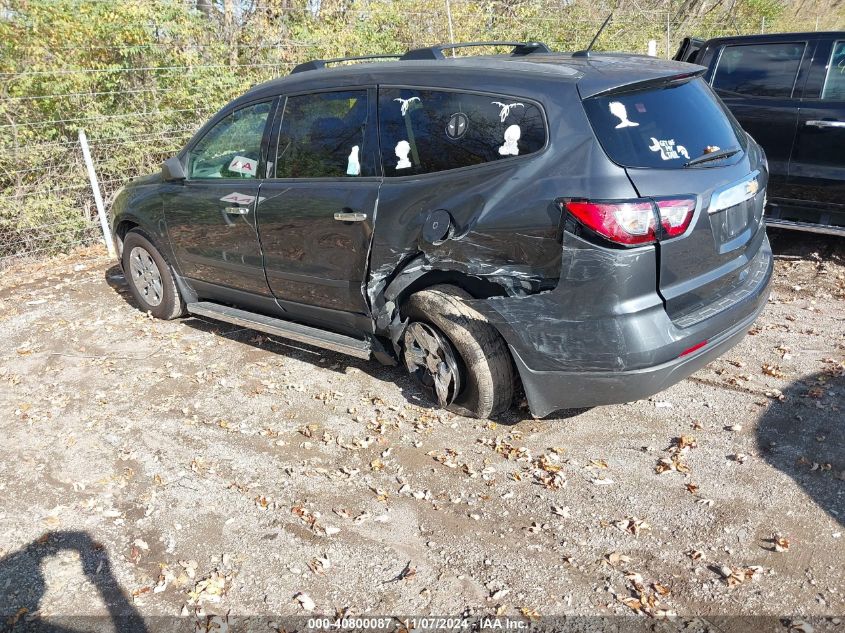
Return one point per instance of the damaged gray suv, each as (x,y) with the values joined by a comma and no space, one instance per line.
(586,226)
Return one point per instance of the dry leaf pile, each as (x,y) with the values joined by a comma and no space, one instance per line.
(677,456)
(645,598)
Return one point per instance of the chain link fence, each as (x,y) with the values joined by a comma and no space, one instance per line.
(139,102)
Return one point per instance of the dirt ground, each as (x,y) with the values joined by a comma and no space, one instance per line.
(164,468)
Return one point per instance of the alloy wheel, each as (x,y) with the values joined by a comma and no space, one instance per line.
(146,276)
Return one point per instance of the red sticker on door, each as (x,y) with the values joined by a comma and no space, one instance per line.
(244,165)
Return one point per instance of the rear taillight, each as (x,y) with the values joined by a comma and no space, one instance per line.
(624,222)
(633,222)
(675,215)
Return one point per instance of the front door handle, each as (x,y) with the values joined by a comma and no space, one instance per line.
(237,210)
(350,217)
(840,124)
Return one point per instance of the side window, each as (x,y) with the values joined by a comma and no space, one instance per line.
(232,148)
(760,70)
(834,85)
(424,131)
(323,135)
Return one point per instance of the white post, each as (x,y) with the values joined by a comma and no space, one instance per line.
(652,48)
(451,32)
(98,198)
(668,36)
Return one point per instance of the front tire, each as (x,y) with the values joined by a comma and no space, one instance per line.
(150,277)
(456,354)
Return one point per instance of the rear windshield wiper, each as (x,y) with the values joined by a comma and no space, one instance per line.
(706,158)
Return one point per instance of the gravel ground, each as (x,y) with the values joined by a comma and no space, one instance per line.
(160,468)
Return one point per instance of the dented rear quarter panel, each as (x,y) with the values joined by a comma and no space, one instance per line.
(506,226)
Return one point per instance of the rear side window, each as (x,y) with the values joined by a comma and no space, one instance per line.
(661,128)
(834,85)
(760,70)
(323,135)
(425,131)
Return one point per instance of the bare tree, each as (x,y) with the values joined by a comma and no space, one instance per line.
(206,8)
(230,31)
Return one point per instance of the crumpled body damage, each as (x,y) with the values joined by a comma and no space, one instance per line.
(502,226)
(603,334)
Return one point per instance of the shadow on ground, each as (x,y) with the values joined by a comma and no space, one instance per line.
(324,359)
(801,245)
(23,585)
(333,361)
(804,437)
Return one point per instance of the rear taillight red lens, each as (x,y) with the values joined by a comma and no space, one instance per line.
(675,215)
(625,222)
(634,222)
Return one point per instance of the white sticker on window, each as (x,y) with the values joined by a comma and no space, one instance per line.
(403,148)
(505,109)
(244,165)
(406,103)
(510,147)
(668,149)
(353,167)
(618,109)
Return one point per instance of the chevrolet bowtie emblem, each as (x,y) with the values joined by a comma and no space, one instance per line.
(752,187)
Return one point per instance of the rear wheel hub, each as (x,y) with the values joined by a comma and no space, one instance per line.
(431,359)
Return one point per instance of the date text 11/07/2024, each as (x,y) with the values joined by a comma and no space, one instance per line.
(418,624)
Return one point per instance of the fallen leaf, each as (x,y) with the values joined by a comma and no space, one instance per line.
(632,525)
(615,559)
(561,511)
(305,601)
(773,370)
(780,543)
(695,554)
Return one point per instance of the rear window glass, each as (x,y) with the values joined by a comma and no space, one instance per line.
(322,136)
(834,86)
(760,70)
(662,128)
(424,131)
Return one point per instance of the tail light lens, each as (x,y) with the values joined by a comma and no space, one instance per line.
(675,215)
(628,222)
(634,222)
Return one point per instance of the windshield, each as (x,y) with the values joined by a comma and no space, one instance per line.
(665,127)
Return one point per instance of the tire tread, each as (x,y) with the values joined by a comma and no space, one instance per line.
(480,345)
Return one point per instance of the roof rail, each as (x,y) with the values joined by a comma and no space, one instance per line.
(436,52)
(320,64)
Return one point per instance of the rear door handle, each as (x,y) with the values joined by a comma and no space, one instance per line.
(350,217)
(826,124)
(237,210)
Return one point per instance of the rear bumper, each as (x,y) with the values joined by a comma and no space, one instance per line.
(603,336)
(548,391)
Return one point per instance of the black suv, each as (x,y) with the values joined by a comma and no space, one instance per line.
(788,91)
(591,225)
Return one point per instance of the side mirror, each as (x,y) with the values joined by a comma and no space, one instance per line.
(172,169)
